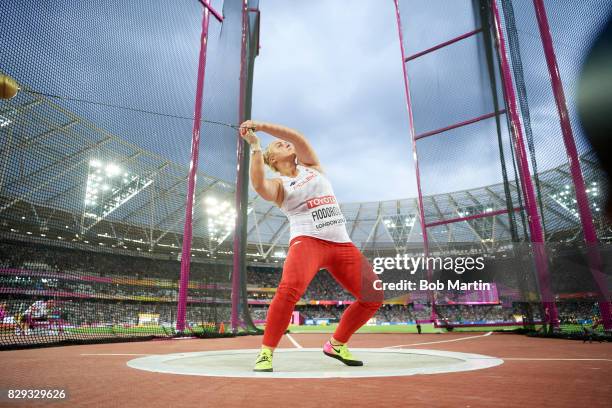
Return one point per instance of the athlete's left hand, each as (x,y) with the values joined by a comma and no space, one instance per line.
(249,136)
(248,125)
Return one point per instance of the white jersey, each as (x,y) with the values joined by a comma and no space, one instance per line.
(310,204)
(38,309)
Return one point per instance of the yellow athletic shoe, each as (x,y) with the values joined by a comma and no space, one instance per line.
(341,353)
(264,361)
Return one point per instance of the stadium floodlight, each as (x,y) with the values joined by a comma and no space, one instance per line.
(112,170)
(211,201)
(399,227)
(221,218)
(108,187)
(388,223)
(593,190)
(568,202)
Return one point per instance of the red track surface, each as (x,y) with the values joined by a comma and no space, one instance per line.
(104,380)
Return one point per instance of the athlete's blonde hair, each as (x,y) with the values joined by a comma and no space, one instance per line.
(266,158)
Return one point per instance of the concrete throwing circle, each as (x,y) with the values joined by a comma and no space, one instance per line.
(312,363)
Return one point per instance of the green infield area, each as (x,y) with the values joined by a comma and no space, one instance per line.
(411,328)
(429,328)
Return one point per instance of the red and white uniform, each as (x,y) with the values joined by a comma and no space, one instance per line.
(311,207)
(319,240)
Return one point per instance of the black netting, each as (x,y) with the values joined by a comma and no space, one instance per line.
(573,31)
(95,157)
(473,200)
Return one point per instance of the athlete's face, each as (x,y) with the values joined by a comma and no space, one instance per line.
(281,149)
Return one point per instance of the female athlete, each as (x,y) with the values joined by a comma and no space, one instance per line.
(318,239)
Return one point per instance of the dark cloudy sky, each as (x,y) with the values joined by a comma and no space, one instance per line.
(332,69)
(329,68)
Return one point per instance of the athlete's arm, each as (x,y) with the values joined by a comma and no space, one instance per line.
(268,189)
(303,150)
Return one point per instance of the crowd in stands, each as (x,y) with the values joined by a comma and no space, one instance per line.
(459,314)
(102,264)
(570,312)
(102,289)
(403,313)
(322,287)
(98,312)
(456,314)
(78,310)
(258,313)
(70,273)
(104,313)
(575,312)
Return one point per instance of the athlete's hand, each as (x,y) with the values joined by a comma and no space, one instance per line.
(248,124)
(250,136)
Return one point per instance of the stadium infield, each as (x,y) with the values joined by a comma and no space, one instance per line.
(535,372)
(409,328)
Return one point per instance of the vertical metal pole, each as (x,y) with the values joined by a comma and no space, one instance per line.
(535,225)
(414,154)
(586,217)
(191,181)
(241,186)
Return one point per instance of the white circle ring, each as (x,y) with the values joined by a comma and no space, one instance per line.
(311,363)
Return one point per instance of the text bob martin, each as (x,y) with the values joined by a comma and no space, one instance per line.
(423,284)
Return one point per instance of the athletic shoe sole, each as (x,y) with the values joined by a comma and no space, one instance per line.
(352,363)
(265,370)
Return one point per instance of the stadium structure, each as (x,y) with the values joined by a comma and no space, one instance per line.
(92,192)
(71,182)
(97,198)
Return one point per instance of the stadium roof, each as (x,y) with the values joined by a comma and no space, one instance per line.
(64,178)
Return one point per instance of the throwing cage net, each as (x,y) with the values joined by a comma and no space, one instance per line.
(95,168)
(491,151)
